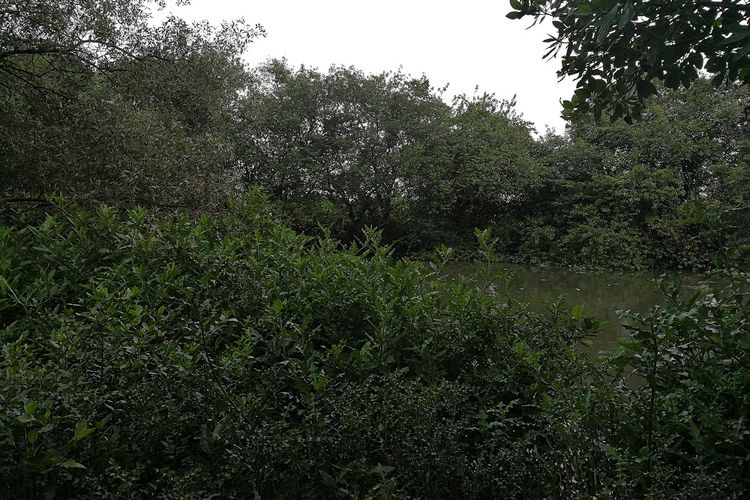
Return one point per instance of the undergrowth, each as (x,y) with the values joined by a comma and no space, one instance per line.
(228,356)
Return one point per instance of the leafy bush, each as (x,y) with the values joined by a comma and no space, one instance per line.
(689,419)
(230,356)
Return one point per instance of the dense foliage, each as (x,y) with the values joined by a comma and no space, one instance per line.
(616,49)
(103,104)
(669,191)
(267,342)
(230,356)
(348,150)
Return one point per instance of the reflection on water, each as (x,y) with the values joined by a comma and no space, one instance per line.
(601,293)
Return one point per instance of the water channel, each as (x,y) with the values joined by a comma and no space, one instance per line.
(600,293)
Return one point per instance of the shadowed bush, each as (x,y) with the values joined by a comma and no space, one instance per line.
(172,357)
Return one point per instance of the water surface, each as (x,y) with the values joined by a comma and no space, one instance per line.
(600,293)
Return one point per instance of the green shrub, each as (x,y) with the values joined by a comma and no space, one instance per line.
(229,356)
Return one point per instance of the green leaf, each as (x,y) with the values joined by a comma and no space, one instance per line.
(32,437)
(82,431)
(514,15)
(742,53)
(25,419)
(628,12)
(52,456)
(739,34)
(609,450)
(718,78)
(72,464)
(631,345)
(645,89)
(30,407)
(672,80)
(382,469)
(597,113)
(577,313)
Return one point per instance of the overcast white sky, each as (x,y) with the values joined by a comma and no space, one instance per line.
(465,44)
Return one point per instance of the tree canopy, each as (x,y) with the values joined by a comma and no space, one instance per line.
(101,103)
(617,49)
(45,45)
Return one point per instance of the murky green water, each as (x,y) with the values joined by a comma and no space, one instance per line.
(600,293)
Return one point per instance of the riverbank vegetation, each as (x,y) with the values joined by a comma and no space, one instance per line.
(345,150)
(175,357)
(202,291)
(178,121)
(350,150)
